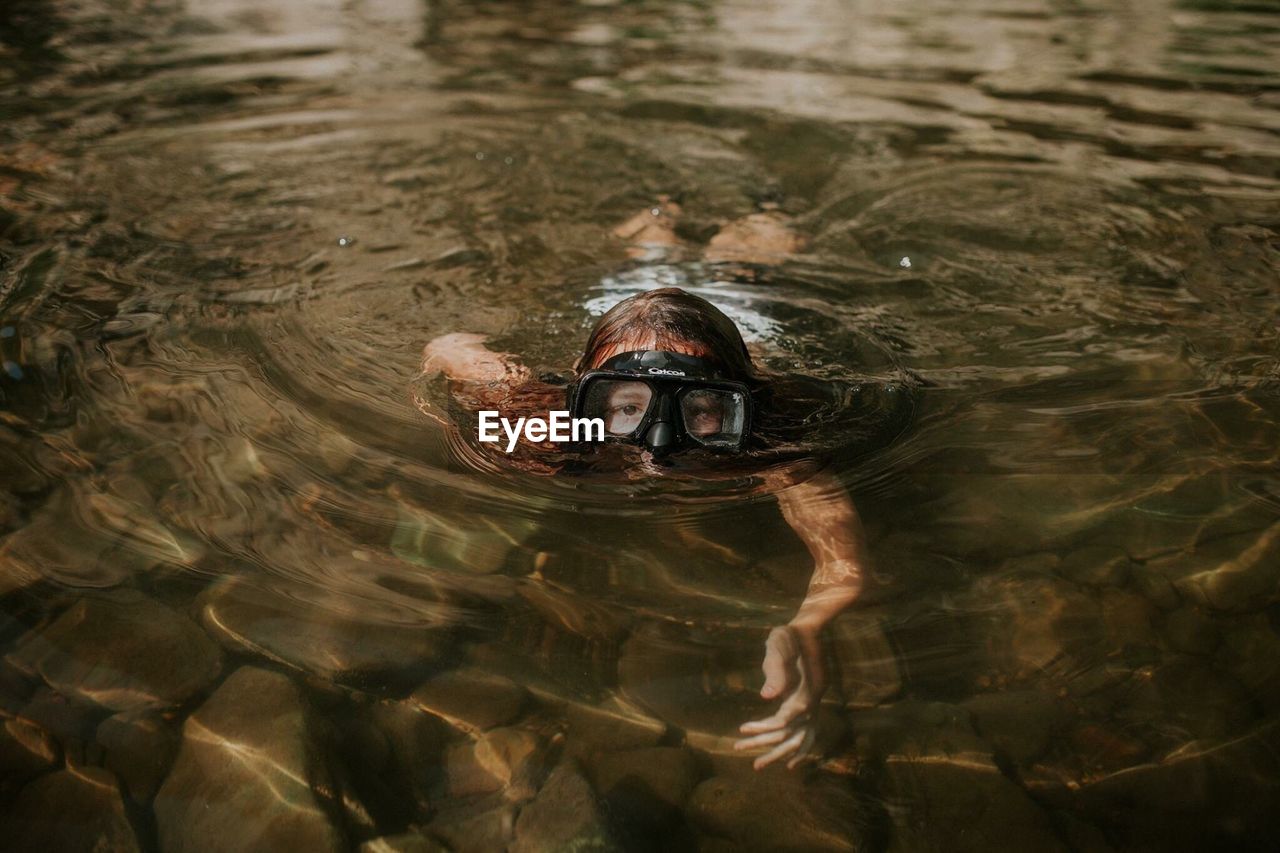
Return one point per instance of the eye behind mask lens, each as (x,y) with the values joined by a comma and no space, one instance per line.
(621,404)
(714,417)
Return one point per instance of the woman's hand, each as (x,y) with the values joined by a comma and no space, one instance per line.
(463,356)
(793,670)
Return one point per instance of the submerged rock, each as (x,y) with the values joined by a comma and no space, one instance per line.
(415,743)
(566,815)
(408,842)
(337,644)
(471,699)
(1181,699)
(1238,573)
(139,750)
(1251,652)
(1190,630)
(667,774)
(702,684)
(1018,723)
(507,759)
(124,651)
(70,721)
(1037,624)
(26,751)
(952,803)
(475,825)
(1206,795)
(645,791)
(609,724)
(782,810)
(443,542)
(1096,565)
(244,774)
(77,809)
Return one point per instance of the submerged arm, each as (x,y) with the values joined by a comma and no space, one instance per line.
(822,514)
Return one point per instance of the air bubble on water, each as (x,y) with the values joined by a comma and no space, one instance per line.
(508,160)
(905,263)
(479,155)
(346,241)
(656,211)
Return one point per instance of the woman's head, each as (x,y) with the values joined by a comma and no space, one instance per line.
(671,320)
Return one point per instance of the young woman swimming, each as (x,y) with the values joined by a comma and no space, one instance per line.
(670,376)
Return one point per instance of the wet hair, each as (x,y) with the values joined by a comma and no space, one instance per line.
(669,319)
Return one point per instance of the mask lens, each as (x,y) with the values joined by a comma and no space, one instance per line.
(714,418)
(621,404)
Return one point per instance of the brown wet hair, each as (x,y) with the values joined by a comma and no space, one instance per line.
(672,320)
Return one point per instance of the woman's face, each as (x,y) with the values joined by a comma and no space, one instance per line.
(627,402)
(625,406)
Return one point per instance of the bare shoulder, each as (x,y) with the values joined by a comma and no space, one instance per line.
(464,357)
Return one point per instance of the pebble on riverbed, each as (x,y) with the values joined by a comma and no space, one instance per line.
(244,774)
(78,809)
(123,651)
(335,644)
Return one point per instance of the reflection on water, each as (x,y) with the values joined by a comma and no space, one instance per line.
(247,593)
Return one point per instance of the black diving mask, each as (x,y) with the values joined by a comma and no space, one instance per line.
(665,401)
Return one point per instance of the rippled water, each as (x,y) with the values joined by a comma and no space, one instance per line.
(250,595)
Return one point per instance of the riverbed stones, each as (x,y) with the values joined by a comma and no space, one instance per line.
(782,810)
(1037,624)
(705,685)
(475,825)
(407,842)
(609,724)
(414,742)
(645,790)
(78,809)
(471,699)
(1095,565)
(16,687)
(1205,795)
(124,651)
(244,774)
(1190,630)
(565,815)
(1239,573)
(1181,697)
(954,803)
(1017,723)
(329,639)
(70,721)
(503,759)
(26,750)
(1251,653)
(139,749)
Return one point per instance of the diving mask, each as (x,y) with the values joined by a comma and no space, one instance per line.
(665,401)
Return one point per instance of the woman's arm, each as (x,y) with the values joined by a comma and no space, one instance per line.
(463,357)
(822,514)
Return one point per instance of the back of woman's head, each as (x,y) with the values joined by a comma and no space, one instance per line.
(672,320)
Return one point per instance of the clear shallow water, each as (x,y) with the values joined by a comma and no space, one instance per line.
(226,231)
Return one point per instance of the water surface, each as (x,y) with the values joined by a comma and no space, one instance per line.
(228,228)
